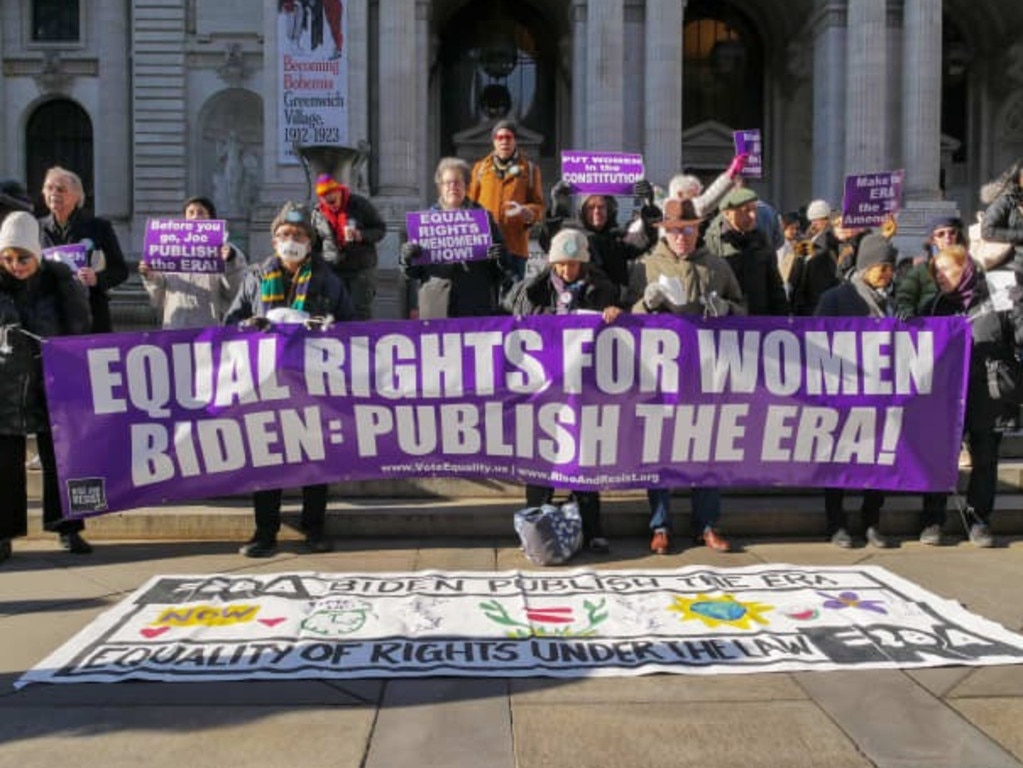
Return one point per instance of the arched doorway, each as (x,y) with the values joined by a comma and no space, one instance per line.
(58,132)
(497,60)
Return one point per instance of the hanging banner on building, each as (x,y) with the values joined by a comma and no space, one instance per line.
(75,255)
(312,72)
(568,401)
(184,245)
(583,623)
(601,173)
(870,198)
(449,236)
(749,143)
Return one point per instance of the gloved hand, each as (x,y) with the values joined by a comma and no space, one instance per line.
(258,323)
(645,190)
(714,305)
(655,297)
(738,163)
(318,323)
(903,313)
(651,215)
(495,252)
(409,254)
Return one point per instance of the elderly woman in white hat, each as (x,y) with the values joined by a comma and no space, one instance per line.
(37,299)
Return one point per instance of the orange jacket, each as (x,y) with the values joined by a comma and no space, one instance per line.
(493,193)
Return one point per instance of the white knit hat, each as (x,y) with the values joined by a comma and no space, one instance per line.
(20,231)
(818,209)
(569,245)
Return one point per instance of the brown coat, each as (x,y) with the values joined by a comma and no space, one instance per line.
(493,193)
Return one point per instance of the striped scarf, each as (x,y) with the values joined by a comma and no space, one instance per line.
(271,288)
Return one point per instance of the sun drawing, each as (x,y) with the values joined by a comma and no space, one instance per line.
(718,611)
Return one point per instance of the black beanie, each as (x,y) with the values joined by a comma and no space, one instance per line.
(874,249)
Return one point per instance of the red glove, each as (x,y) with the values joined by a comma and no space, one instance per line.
(738,163)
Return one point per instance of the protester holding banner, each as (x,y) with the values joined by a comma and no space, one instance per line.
(865,294)
(195,299)
(815,269)
(67,223)
(1003,219)
(507,183)
(992,406)
(915,291)
(570,283)
(460,288)
(38,299)
(349,228)
(679,278)
(734,237)
(294,281)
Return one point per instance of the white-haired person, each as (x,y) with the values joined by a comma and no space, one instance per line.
(38,299)
(69,224)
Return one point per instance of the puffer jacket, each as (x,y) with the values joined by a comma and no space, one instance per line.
(1003,222)
(49,303)
(353,257)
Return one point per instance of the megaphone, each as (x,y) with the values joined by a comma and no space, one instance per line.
(336,161)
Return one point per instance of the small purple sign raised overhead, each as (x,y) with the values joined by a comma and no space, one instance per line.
(567,401)
(75,255)
(870,198)
(462,234)
(750,143)
(184,245)
(601,173)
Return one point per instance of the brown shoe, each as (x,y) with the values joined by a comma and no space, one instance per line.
(714,540)
(661,542)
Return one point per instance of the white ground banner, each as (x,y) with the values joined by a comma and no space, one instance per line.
(693,620)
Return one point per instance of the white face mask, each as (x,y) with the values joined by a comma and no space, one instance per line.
(292,250)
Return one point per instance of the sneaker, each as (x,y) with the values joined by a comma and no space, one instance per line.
(661,542)
(257,547)
(931,536)
(877,539)
(5,549)
(841,538)
(715,541)
(75,544)
(599,545)
(317,543)
(980,536)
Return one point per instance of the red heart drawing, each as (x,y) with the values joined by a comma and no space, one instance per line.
(272,622)
(153,631)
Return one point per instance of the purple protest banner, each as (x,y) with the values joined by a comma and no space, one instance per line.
(75,255)
(648,401)
(601,173)
(462,234)
(870,198)
(750,143)
(184,245)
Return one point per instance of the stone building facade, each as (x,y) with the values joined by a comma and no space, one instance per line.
(152,101)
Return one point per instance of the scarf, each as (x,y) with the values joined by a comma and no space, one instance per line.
(878,301)
(272,290)
(567,295)
(337,219)
(508,167)
(962,295)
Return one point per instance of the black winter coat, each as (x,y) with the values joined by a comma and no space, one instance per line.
(1003,222)
(50,303)
(812,276)
(354,257)
(81,227)
(326,294)
(755,265)
(536,295)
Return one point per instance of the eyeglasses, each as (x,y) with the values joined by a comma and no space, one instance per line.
(680,231)
(504,136)
(21,260)
(452,182)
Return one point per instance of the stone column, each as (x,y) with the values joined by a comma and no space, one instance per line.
(866,87)
(398,125)
(662,89)
(921,99)
(829,99)
(580,81)
(605,63)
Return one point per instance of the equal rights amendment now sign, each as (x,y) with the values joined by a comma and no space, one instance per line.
(573,402)
(580,623)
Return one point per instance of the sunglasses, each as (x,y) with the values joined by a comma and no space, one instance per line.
(504,136)
(21,260)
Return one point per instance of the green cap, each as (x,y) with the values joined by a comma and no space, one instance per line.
(737,198)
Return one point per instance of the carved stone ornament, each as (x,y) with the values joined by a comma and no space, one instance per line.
(234,71)
(52,76)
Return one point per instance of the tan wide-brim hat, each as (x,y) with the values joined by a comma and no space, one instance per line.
(678,214)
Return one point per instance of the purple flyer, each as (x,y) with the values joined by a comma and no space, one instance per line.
(75,255)
(750,143)
(462,234)
(180,245)
(870,198)
(601,173)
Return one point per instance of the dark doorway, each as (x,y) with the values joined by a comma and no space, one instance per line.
(59,132)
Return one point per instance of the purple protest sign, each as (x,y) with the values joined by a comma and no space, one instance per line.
(75,255)
(648,401)
(749,143)
(462,234)
(870,198)
(184,245)
(601,173)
